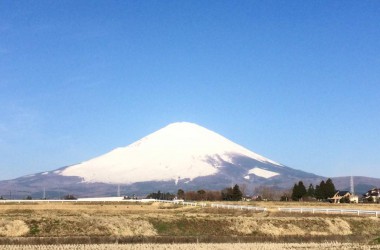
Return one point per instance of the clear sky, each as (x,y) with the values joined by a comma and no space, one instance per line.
(295,81)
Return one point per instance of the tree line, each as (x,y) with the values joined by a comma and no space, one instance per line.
(227,194)
(323,191)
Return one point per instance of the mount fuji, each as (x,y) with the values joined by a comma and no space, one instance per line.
(181,155)
(180,151)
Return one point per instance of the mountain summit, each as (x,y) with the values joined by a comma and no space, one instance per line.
(178,151)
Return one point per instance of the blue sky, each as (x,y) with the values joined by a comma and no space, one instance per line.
(295,81)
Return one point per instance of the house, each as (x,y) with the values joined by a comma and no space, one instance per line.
(339,195)
(372,195)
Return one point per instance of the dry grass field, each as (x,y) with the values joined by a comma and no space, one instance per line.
(223,246)
(273,205)
(57,223)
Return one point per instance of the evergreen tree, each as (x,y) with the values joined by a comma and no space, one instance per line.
(322,188)
(318,192)
(329,189)
(180,194)
(158,196)
(232,194)
(295,192)
(237,195)
(325,190)
(302,189)
(311,191)
(299,191)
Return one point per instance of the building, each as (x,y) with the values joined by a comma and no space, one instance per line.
(339,195)
(372,195)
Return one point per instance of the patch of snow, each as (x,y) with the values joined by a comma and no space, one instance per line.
(262,172)
(177,180)
(45,173)
(246,177)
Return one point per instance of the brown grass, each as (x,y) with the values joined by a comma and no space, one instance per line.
(243,246)
(104,221)
(12,228)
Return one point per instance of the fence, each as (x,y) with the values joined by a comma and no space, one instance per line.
(35,201)
(97,200)
(330,211)
(238,207)
(169,201)
(175,202)
(192,204)
(214,205)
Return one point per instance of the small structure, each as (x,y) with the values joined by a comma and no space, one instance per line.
(372,195)
(247,198)
(339,195)
(354,198)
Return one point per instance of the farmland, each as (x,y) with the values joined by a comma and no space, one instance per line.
(110,222)
(201,246)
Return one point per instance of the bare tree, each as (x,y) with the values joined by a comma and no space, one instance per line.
(243,189)
(268,192)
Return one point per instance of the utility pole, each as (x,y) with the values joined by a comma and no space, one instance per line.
(118,190)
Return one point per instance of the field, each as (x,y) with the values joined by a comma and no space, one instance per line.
(201,246)
(108,223)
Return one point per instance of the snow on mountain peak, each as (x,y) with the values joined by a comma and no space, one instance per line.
(180,150)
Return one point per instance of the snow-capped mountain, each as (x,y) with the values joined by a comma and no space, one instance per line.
(181,155)
(178,151)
